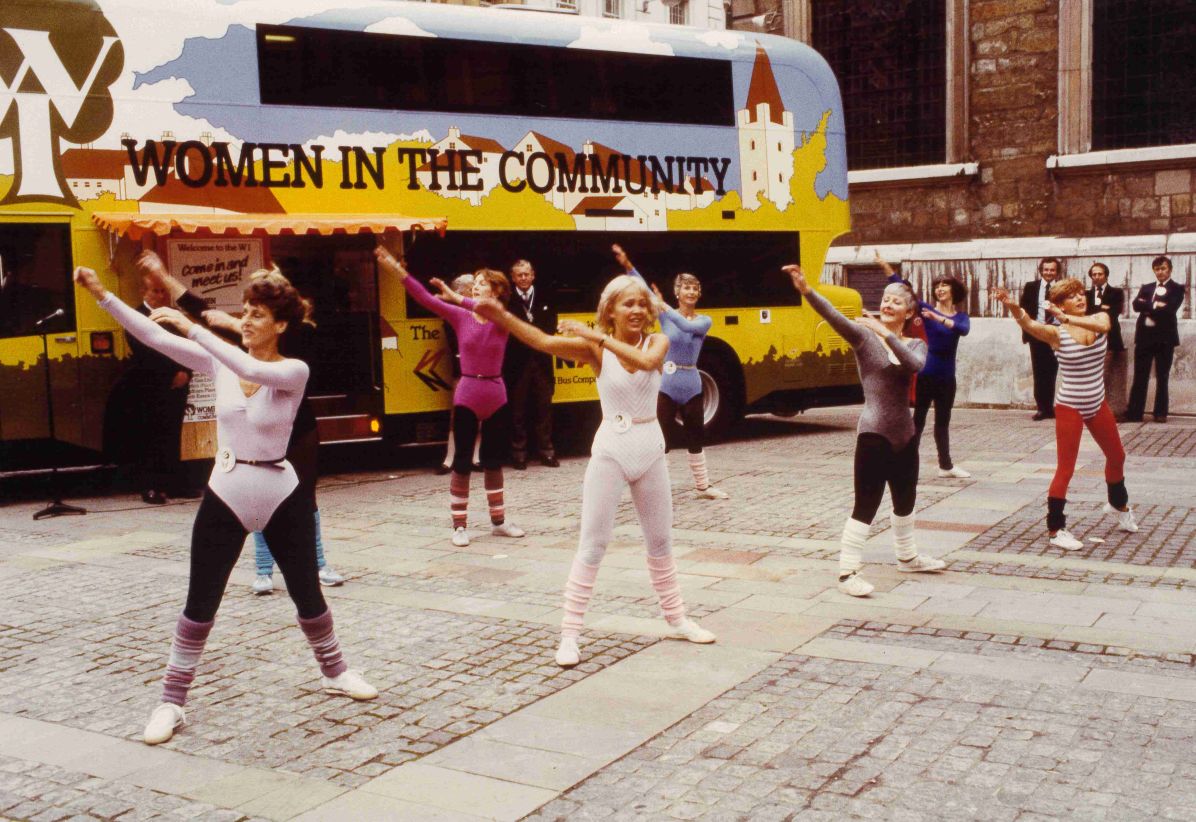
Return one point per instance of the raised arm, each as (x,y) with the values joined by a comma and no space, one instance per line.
(184,352)
(446,311)
(699,326)
(846,329)
(1098,322)
(1048,334)
(570,348)
(284,375)
(630,355)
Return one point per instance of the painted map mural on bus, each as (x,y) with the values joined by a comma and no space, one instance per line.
(183,95)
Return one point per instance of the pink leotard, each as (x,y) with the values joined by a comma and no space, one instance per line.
(257,427)
(482,345)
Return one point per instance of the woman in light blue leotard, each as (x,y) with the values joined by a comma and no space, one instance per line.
(680,384)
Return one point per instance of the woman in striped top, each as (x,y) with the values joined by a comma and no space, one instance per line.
(1079,342)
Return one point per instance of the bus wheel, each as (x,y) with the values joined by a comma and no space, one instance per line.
(722,392)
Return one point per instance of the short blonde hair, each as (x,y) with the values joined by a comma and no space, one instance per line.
(1063,289)
(685,278)
(604,318)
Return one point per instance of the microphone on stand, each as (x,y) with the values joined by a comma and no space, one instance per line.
(49,317)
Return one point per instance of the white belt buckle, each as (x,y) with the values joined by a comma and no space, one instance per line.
(670,367)
(622,423)
(226,460)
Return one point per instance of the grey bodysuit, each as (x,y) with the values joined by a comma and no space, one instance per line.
(886,383)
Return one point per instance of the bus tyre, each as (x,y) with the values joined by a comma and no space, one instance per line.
(722,391)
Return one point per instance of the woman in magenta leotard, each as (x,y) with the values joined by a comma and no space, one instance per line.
(480,399)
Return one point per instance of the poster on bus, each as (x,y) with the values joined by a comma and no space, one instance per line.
(216,269)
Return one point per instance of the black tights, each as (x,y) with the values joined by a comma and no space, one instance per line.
(941,392)
(692,413)
(216,541)
(496,438)
(878,463)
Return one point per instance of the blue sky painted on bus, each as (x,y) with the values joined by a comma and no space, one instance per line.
(223,74)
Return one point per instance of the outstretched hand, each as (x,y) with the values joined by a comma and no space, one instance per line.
(872,324)
(1054,310)
(444,292)
(798,277)
(172,318)
(488,307)
(389,262)
(87,279)
(621,257)
(880,261)
(1004,298)
(573,328)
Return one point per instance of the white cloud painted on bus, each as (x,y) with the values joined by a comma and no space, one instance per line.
(624,37)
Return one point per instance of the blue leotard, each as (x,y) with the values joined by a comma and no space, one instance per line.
(685,345)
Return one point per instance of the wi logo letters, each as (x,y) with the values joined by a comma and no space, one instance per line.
(57,61)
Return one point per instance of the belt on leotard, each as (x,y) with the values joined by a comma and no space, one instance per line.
(483,376)
(226,461)
(671,367)
(622,422)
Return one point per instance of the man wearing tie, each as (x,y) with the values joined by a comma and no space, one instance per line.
(1042,359)
(1155,338)
(528,373)
(1111,300)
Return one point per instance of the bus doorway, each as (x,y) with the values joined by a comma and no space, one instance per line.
(337,274)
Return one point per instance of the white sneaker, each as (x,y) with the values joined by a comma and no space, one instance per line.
(710,492)
(921,564)
(263,584)
(1066,541)
(506,529)
(460,537)
(1125,519)
(691,631)
(350,684)
(162,722)
(330,577)
(855,586)
(568,654)
(954,473)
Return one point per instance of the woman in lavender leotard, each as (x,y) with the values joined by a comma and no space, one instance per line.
(886,450)
(253,486)
(480,398)
(680,385)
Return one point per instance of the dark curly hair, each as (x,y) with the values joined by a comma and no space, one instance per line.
(959,291)
(271,290)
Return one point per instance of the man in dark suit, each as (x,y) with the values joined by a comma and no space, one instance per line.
(1109,299)
(153,394)
(1043,364)
(1155,338)
(529,373)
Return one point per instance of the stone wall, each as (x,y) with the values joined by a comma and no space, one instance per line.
(1012,128)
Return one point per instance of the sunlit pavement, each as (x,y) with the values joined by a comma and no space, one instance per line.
(1021,683)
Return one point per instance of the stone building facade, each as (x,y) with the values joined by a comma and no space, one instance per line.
(1031,164)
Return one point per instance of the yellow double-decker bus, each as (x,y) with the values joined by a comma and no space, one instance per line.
(234,135)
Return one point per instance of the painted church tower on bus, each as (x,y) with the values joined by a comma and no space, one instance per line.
(765,140)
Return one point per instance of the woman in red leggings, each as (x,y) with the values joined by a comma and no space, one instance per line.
(1079,343)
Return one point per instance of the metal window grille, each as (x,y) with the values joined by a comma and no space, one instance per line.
(1143,74)
(891,60)
(612,8)
(679,14)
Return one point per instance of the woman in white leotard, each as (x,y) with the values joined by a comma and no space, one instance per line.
(628,447)
(252,488)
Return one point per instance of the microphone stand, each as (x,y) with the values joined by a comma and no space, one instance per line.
(57,507)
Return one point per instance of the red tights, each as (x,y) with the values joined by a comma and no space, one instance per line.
(1069,427)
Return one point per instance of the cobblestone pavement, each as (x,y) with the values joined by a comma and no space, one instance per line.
(1022,683)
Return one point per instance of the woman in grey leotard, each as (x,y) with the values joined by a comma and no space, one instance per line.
(886,449)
